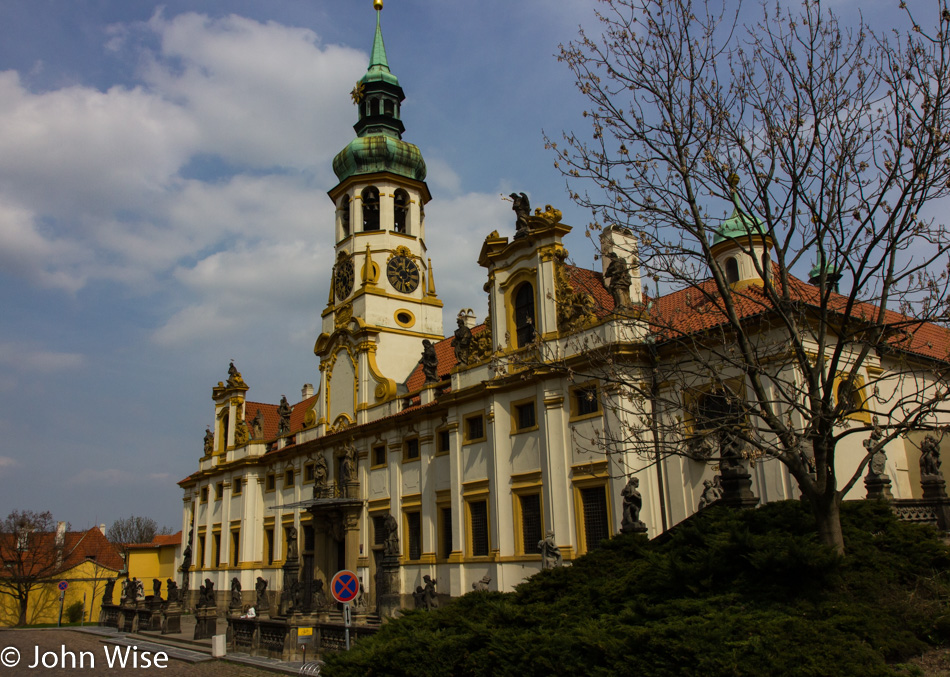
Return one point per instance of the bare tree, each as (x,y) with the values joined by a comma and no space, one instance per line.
(828,144)
(134,529)
(31,555)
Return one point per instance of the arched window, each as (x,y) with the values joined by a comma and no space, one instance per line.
(732,270)
(388,107)
(524,314)
(849,397)
(370,197)
(345,216)
(401,210)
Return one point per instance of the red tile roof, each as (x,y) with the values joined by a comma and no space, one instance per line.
(160,540)
(78,546)
(446,355)
(272,418)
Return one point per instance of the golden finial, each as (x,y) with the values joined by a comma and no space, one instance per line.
(377,5)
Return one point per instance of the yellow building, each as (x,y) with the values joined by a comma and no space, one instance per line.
(85,560)
(148,561)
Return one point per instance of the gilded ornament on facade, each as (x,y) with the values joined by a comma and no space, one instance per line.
(550,214)
(575,310)
(241,432)
(343,315)
(357,93)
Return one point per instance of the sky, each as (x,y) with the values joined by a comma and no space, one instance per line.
(164,171)
(163,208)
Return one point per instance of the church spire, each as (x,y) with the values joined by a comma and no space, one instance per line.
(377,59)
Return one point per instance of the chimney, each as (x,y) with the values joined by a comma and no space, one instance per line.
(620,241)
(60,534)
(306,391)
(467,315)
(102,528)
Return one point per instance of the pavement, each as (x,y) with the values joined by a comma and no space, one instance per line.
(183,647)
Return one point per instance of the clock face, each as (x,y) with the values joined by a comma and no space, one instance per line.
(403,274)
(343,280)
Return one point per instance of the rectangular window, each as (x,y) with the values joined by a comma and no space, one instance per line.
(443,441)
(201,551)
(216,550)
(478,512)
(269,545)
(586,402)
(237,485)
(288,478)
(594,502)
(475,428)
(308,473)
(218,491)
(445,532)
(414,534)
(270,482)
(379,529)
(531,529)
(235,548)
(411,449)
(379,455)
(204,494)
(524,417)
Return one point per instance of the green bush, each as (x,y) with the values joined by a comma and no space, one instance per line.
(74,612)
(724,593)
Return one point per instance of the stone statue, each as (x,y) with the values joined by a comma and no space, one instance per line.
(126,588)
(284,410)
(109,591)
(419,597)
(139,590)
(235,593)
(320,602)
(257,425)
(632,502)
(359,604)
(930,457)
(430,362)
(234,377)
(522,209)
(550,553)
(391,544)
(462,343)
(206,594)
(186,559)
(730,449)
(878,462)
(320,474)
(620,280)
(209,441)
(431,597)
(156,588)
(172,591)
(482,584)
(712,492)
(348,467)
(261,588)
(241,433)
(292,552)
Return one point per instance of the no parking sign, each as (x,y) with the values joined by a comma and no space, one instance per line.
(345,586)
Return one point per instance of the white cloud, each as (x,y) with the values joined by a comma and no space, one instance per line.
(7,464)
(26,358)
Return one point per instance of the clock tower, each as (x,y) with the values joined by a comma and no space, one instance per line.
(382,300)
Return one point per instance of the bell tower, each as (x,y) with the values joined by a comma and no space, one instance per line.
(382,300)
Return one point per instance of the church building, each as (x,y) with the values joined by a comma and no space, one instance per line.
(478,455)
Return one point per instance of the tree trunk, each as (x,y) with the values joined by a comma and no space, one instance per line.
(24,603)
(828,519)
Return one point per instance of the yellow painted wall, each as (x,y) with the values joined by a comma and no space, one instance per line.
(148,563)
(86,577)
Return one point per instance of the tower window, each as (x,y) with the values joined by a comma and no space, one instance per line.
(388,107)
(401,211)
(345,216)
(524,314)
(370,197)
(732,270)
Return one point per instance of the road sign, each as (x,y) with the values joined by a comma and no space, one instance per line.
(63,585)
(345,586)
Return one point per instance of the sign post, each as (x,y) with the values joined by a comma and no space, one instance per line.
(344,587)
(62,597)
(304,637)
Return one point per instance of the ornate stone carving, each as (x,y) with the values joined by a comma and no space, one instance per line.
(343,315)
(462,342)
(620,280)
(157,588)
(261,589)
(522,209)
(209,441)
(235,593)
(550,214)
(241,433)
(482,584)
(712,492)
(348,466)
(575,310)
(930,457)
(235,380)
(632,502)
(391,542)
(320,474)
(431,597)
(257,425)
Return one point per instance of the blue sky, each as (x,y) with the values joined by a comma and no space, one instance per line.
(163,208)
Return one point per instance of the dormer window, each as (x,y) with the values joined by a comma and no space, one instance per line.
(401,211)
(370,201)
